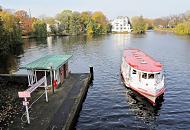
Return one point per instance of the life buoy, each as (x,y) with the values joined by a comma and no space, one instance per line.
(55,84)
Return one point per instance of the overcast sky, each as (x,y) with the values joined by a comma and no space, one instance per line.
(111,8)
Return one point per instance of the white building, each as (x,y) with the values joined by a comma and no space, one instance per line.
(56,25)
(121,24)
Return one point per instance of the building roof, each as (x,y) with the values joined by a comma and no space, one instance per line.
(141,61)
(46,62)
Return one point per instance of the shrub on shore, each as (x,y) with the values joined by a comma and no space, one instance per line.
(183,28)
(139,25)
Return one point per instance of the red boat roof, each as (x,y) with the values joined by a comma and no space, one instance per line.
(141,61)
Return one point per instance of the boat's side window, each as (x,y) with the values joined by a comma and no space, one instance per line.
(150,76)
(157,75)
(134,72)
(144,75)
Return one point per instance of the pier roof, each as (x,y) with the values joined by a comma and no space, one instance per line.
(141,61)
(46,62)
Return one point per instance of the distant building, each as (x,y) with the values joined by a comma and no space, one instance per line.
(56,26)
(121,24)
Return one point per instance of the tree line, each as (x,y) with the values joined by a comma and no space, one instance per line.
(15,25)
(74,23)
(179,24)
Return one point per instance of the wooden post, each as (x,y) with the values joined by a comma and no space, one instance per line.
(27,113)
(92,73)
(46,87)
(52,78)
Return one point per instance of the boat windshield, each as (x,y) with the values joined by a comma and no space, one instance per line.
(150,76)
(134,72)
(144,75)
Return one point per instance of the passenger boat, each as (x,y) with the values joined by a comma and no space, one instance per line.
(143,74)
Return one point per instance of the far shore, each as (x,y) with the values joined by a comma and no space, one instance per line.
(165,30)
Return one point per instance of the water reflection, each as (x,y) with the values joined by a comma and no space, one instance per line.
(121,38)
(141,107)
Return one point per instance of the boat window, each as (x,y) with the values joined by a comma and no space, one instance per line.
(134,72)
(150,76)
(157,74)
(144,75)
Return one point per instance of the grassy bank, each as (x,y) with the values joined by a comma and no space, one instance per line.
(172,30)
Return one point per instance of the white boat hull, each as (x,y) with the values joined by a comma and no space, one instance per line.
(139,89)
(142,74)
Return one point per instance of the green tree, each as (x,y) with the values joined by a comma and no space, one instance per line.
(49,20)
(149,23)
(183,28)
(101,21)
(64,17)
(53,29)
(3,42)
(39,28)
(10,34)
(85,19)
(91,28)
(75,24)
(139,25)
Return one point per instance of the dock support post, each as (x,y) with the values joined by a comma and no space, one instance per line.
(27,113)
(46,88)
(92,73)
(52,79)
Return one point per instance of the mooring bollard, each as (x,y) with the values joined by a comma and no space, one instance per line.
(92,73)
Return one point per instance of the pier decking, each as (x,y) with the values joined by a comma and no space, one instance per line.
(63,107)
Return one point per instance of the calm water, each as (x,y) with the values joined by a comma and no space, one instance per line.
(109,105)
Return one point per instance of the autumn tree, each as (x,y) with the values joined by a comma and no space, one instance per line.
(39,28)
(101,21)
(64,17)
(187,15)
(85,19)
(91,27)
(162,22)
(86,22)
(10,34)
(3,43)
(75,24)
(25,22)
(149,23)
(139,25)
(49,20)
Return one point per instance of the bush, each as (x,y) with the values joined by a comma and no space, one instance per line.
(183,28)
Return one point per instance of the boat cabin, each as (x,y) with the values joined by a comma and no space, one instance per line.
(143,74)
(141,66)
(53,67)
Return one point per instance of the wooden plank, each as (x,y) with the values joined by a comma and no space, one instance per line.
(36,85)
(27,93)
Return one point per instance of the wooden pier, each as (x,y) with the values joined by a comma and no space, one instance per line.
(62,109)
